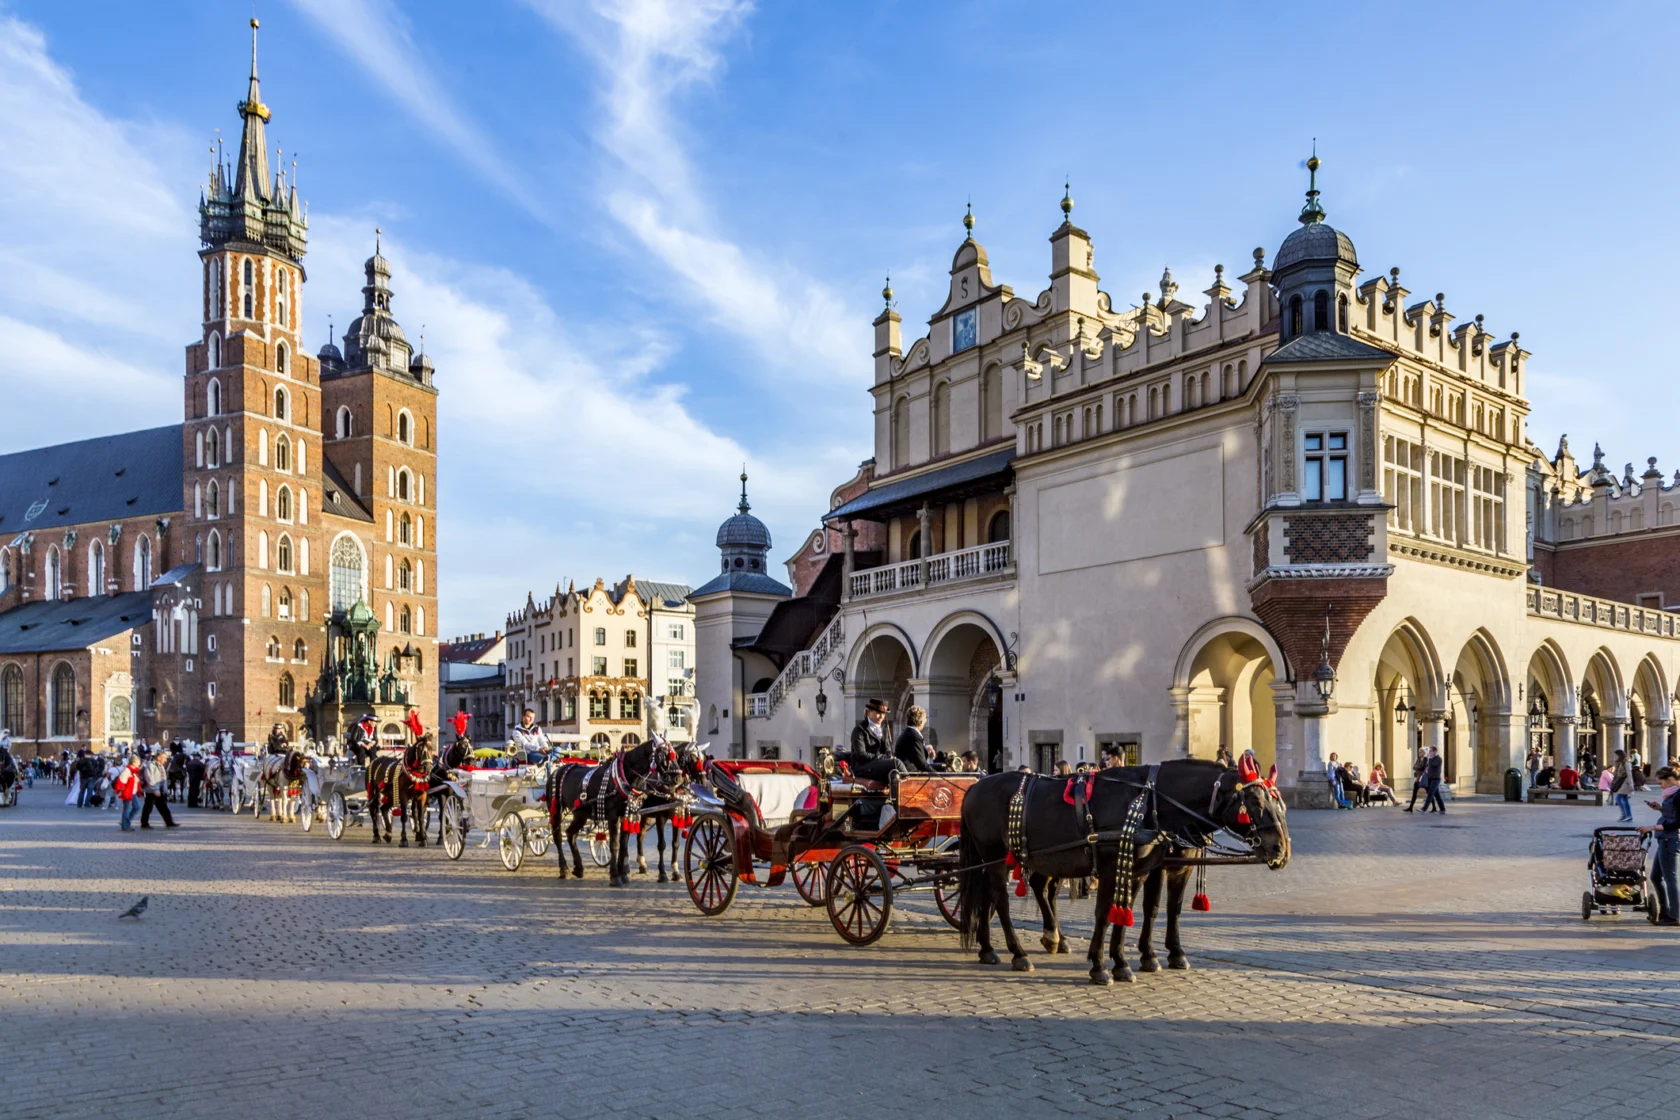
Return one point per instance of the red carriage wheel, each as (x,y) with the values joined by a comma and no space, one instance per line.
(859,895)
(709,865)
(945,897)
(809,880)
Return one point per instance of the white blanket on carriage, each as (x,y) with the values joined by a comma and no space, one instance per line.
(777,795)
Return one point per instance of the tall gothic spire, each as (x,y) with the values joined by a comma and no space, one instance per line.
(252,180)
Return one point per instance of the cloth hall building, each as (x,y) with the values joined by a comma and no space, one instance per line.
(271,558)
(1300,514)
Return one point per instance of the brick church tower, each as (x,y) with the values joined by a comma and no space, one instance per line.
(252,490)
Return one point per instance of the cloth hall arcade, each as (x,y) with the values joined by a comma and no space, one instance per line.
(1300,514)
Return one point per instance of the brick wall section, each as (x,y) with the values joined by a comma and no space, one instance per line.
(1621,568)
(1293,610)
(1333,539)
(1262,547)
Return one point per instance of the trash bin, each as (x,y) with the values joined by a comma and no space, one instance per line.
(1513,784)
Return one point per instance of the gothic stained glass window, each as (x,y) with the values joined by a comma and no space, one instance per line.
(346,573)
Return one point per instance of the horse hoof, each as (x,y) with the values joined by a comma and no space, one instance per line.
(577,873)
(1048,942)
(1125,976)
(1149,964)
(1061,945)
(404,844)
(987,956)
(1101,978)
(663,878)
(1020,964)
(1178,962)
(387,839)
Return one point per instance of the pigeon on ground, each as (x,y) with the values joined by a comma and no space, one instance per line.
(136,910)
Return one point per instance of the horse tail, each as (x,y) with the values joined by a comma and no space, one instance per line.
(974,889)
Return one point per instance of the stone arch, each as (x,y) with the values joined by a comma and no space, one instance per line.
(1222,690)
(882,663)
(1409,687)
(1478,732)
(1650,684)
(959,658)
(1549,668)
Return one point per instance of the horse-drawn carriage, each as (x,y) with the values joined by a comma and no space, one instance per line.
(850,846)
(500,792)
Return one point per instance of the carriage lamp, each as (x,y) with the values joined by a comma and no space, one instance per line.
(994,691)
(1402,710)
(822,702)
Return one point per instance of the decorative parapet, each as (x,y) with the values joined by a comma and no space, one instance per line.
(1566,606)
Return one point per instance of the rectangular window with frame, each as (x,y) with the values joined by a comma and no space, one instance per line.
(598,666)
(1403,483)
(1487,509)
(674,659)
(629,639)
(1446,497)
(630,667)
(675,633)
(1324,472)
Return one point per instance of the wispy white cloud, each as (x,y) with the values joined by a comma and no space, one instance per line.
(97,272)
(649,53)
(379,38)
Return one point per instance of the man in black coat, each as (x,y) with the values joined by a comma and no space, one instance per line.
(871,758)
(195,779)
(1432,781)
(911,748)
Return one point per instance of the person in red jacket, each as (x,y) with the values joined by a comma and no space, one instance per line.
(1569,778)
(127,788)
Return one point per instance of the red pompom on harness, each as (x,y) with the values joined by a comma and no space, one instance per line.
(1242,815)
(1120,915)
(1200,902)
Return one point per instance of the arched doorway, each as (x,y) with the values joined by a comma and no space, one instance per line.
(1480,701)
(1410,713)
(1601,715)
(882,665)
(1551,706)
(962,658)
(1648,725)
(1225,695)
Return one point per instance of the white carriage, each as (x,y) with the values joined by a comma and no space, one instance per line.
(502,793)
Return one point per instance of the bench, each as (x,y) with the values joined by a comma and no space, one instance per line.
(1590,796)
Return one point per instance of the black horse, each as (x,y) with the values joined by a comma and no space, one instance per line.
(398,786)
(1071,828)
(451,758)
(581,795)
(667,803)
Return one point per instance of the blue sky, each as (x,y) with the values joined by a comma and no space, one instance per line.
(646,239)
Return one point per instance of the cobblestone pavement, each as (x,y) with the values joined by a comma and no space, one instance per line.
(1399,966)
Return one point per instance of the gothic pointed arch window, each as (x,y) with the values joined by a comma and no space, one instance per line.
(405,576)
(282,404)
(405,427)
(283,557)
(281,310)
(213,391)
(405,621)
(212,448)
(96,569)
(213,499)
(347,564)
(404,485)
(213,555)
(287,692)
(63,701)
(249,289)
(280,356)
(273,649)
(11,697)
(283,503)
(142,563)
(345,423)
(300,650)
(213,353)
(283,606)
(1321,311)
(405,530)
(53,573)
(217,306)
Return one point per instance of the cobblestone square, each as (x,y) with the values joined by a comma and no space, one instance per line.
(1400,966)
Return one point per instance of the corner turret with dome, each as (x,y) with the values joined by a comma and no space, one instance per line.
(1314,271)
(743,543)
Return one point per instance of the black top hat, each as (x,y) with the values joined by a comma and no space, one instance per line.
(876,706)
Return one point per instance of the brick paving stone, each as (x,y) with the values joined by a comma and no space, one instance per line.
(1399,966)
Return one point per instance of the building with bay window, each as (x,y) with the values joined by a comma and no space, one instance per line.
(1300,514)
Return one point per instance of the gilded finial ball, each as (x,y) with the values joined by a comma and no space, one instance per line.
(1312,164)
(1067,199)
(254,23)
(887,292)
(968,218)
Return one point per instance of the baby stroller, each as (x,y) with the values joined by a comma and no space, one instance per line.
(1616,872)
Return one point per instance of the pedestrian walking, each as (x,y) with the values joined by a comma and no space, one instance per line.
(1533,765)
(1432,781)
(1667,829)
(155,780)
(1622,786)
(1418,768)
(126,788)
(1333,772)
(195,779)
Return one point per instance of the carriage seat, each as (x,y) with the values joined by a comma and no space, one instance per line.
(766,800)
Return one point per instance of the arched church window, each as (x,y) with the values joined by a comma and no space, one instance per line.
(280,309)
(249,298)
(402,485)
(213,449)
(1294,316)
(280,359)
(1342,313)
(1321,311)
(344,422)
(346,575)
(215,357)
(280,404)
(405,427)
(282,454)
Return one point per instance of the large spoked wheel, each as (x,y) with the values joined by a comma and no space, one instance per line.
(306,812)
(945,897)
(859,895)
(709,865)
(454,829)
(510,842)
(539,839)
(336,815)
(808,880)
(600,848)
